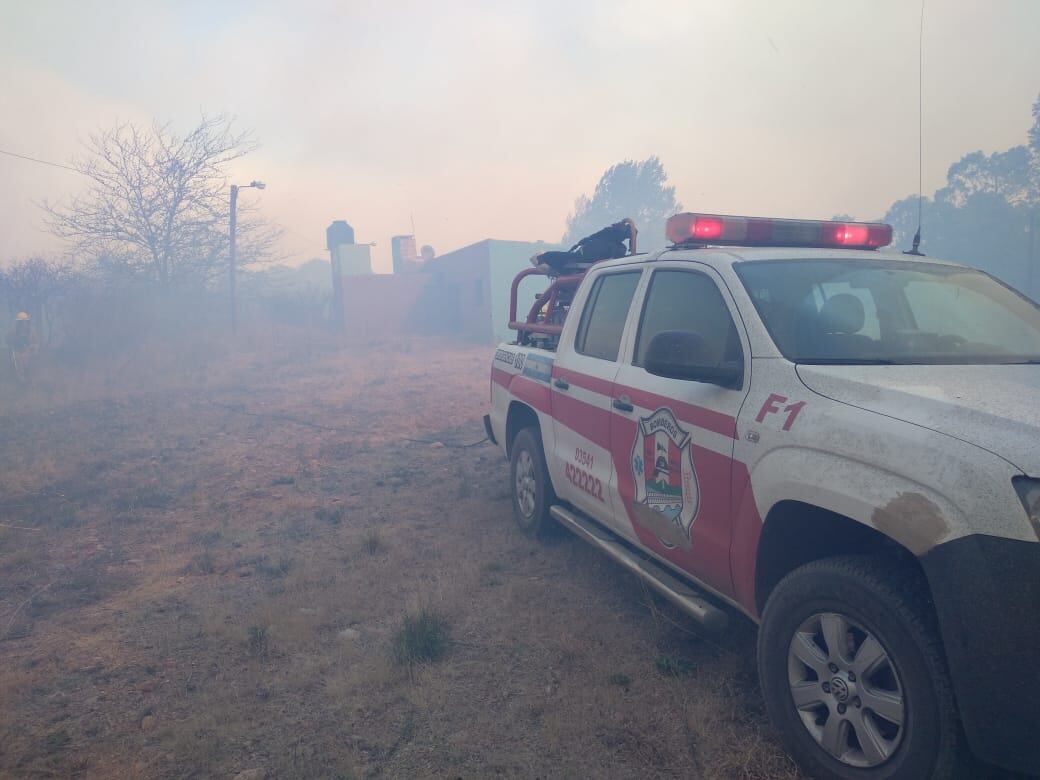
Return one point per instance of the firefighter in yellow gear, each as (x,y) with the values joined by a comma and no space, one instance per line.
(21,341)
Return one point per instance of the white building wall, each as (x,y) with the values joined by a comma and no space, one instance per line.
(353,259)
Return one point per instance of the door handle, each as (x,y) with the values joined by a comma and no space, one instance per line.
(622,404)
(562,384)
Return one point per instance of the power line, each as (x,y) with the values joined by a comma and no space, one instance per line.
(38,160)
(307,239)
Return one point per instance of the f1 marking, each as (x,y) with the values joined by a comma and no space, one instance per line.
(772,406)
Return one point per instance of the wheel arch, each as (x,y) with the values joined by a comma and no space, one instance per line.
(818,533)
(518,417)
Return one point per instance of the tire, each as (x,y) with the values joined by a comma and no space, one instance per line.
(914,731)
(533,493)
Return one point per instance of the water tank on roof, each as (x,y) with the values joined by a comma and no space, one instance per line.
(402,250)
(338,233)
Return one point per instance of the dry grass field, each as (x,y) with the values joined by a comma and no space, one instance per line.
(221,562)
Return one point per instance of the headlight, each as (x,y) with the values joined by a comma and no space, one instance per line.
(1029,491)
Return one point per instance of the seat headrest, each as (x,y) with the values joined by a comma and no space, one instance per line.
(842,313)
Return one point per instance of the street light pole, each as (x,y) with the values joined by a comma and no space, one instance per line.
(232,224)
(231,264)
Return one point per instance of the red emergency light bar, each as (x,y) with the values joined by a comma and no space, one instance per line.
(689,228)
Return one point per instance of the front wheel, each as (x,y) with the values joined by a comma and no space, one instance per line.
(853,673)
(532,491)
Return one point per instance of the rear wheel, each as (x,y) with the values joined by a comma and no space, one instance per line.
(532,491)
(853,673)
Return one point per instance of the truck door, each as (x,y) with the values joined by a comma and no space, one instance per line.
(583,375)
(672,439)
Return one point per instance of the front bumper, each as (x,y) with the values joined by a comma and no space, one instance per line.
(987,596)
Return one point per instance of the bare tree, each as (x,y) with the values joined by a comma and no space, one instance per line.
(158,202)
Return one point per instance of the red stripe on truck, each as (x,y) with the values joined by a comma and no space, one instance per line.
(687,412)
(593,383)
(523,389)
(585,419)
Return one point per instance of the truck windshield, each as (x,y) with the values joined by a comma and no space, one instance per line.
(870,312)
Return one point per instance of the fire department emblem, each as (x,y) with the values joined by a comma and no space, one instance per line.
(667,495)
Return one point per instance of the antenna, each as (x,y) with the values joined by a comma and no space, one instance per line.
(412,216)
(915,247)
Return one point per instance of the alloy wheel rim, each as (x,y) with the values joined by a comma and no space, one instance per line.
(525,484)
(846,690)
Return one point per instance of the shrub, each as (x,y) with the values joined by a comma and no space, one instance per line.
(423,637)
(257,640)
(674,666)
(373,543)
(332,516)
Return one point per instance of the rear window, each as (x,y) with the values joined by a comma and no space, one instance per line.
(603,320)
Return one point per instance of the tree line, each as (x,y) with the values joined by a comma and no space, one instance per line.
(987,215)
(154,214)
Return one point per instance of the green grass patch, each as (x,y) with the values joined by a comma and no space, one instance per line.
(208,538)
(673,666)
(258,641)
(201,563)
(331,515)
(373,542)
(422,638)
(57,740)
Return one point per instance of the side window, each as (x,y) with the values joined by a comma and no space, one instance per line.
(690,301)
(603,320)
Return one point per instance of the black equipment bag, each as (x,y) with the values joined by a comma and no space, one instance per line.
(605,244)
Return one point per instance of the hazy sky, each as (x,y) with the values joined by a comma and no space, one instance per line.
(487,119)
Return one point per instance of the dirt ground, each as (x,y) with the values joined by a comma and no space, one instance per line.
(206,559)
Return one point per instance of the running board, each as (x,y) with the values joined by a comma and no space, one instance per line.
(683,595)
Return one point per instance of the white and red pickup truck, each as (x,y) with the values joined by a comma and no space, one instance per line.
(841,443)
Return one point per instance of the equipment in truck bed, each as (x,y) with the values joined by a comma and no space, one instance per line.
(544,321)
(605,244)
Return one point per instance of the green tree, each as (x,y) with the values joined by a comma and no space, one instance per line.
(987,215)
(984,230)
(1006,174)
(636,189)
(1034,131)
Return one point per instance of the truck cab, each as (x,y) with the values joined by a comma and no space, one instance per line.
(775,418)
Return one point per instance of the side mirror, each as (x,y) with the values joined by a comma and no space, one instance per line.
(682,354)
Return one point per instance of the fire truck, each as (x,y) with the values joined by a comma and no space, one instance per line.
(781,420)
